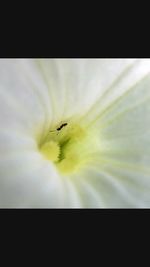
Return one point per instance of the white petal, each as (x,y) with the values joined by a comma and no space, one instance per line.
(75,84)
(122,174)
(113,188)
(36,93)
(22,102)
(127,78)
(124,128)
(27,180)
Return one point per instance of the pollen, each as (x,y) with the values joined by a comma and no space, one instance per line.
(69,148)
(51,150)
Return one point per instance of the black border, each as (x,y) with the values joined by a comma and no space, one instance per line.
(80,43)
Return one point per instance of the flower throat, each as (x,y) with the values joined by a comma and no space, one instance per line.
(68,146)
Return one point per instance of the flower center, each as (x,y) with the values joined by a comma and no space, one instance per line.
(69,146)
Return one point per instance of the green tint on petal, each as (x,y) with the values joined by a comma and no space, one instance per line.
(99,160)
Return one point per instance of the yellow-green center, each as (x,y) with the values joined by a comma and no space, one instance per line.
(69,147)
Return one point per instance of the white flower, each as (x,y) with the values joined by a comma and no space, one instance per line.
(75,133)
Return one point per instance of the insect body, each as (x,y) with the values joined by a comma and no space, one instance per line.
(63,125)
(60,127)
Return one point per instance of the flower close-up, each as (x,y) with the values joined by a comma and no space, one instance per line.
(74,133)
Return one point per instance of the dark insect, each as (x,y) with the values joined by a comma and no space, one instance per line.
(63,125)
(59,128)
